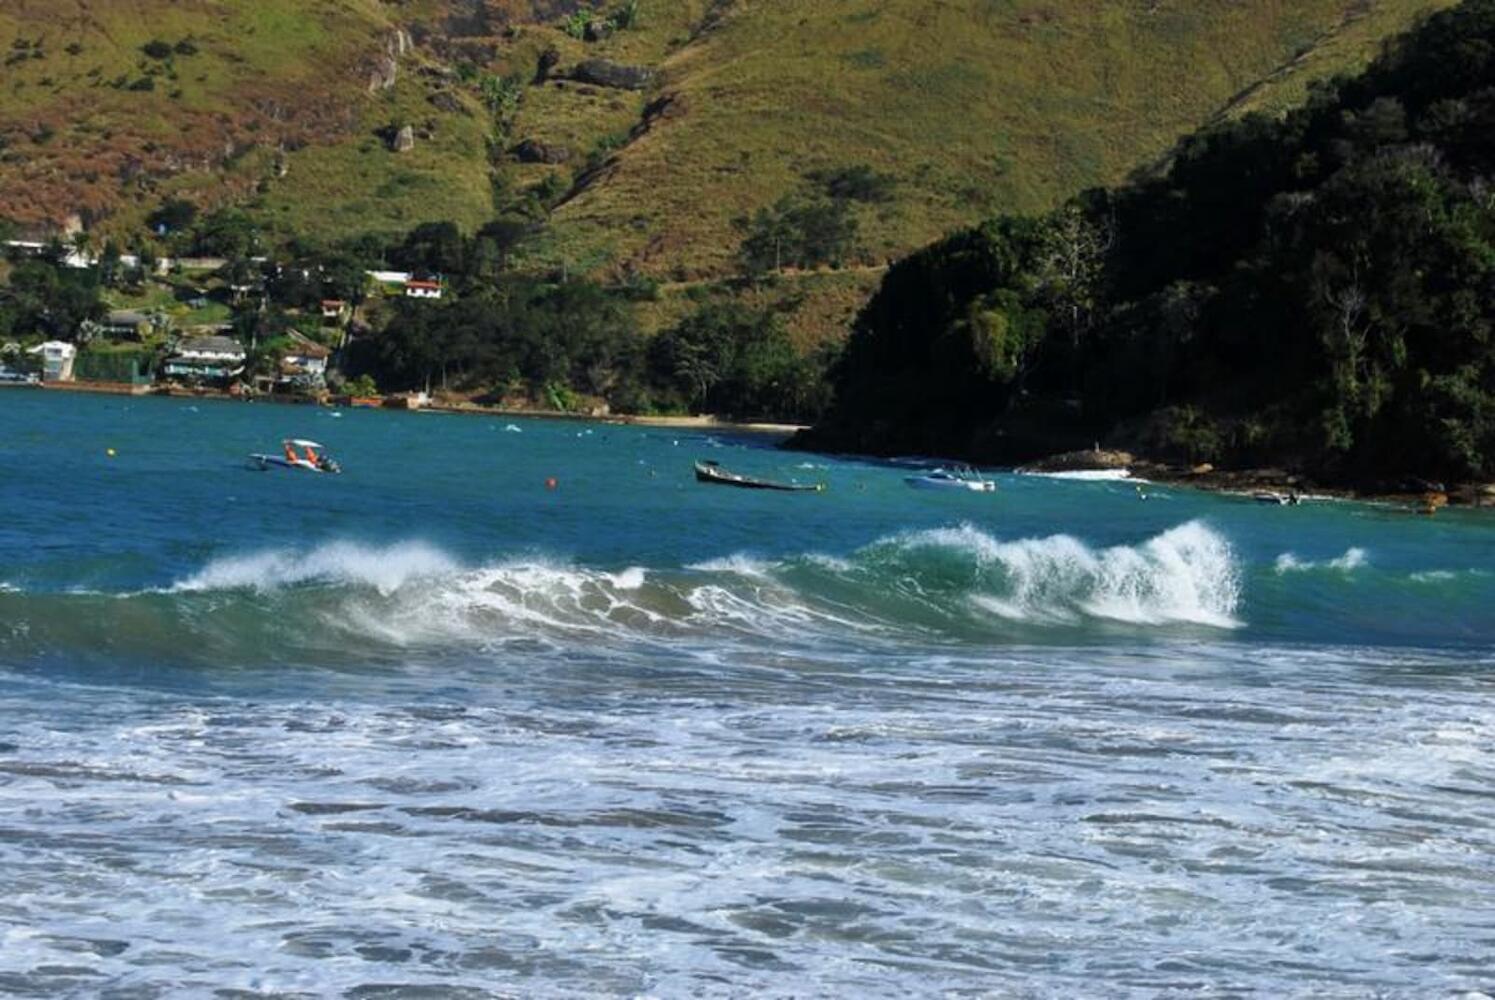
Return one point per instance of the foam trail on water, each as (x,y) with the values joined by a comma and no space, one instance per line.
(1353,559)
(385,569)
(1087,475)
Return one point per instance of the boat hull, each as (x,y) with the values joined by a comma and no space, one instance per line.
(264,462)
(968,485)
(719,477)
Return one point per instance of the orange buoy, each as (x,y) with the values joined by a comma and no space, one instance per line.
(550,483)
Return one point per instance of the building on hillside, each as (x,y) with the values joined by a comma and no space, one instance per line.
(126,323)
(205,359)
(334,309)
(305,364)
(423,288)
(57,360)
(200,263)
(390,277)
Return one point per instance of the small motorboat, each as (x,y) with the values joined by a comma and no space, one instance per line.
(713,473)
(311,457)
(960,478)
(1280,499)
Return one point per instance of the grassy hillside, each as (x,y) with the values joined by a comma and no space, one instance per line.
(93,124)
(971,106)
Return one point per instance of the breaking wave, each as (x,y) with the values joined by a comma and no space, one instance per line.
(955,584)
(385,569)
(1185,575)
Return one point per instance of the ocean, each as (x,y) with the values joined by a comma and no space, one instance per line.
(436,727)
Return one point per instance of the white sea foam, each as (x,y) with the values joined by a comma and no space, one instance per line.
(738,564)
(1087,475)
(384,568)
(1434,576)
(1353,559)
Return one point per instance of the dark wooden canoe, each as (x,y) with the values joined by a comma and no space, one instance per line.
(710,472)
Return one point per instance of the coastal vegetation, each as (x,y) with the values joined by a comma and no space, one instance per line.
(1312,290)
(615,218)
(642,133)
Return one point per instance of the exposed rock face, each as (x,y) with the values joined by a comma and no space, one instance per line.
(404,140)
(596,30)
(535,151)
(447,101)
(384,74)
(548,60)
(1084,461)
(605,73)
(387,67)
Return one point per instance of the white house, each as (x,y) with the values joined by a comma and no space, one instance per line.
(306,361)
(57,360)
(389,277)
(421,288)
(201,358)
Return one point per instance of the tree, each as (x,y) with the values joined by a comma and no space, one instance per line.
(227,232)
(797,232)
(176,214)
(1071,267)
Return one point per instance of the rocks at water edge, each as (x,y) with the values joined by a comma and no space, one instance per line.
(1084,461)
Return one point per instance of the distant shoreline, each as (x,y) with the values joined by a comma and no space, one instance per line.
(699,422)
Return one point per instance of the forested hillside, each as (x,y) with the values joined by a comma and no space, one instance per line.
(1315,290)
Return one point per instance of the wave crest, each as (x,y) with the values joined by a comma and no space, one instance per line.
(385,569)
(1185,575)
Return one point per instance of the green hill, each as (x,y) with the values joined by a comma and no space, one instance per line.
(289,107)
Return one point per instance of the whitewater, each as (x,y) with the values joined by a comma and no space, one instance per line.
(432,728)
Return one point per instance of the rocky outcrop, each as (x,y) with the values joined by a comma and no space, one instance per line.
(597,29)
(535,151)
(547,62)
(1084,461)
(386,69)
(384,74)
(404,140)
(445,100)
(606,73)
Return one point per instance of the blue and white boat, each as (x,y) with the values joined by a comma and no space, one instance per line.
(298,453)
(959,478)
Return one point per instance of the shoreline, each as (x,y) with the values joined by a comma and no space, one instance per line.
(1234,482)
(1262,481)
(701,422)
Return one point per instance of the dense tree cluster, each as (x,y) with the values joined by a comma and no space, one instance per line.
(46,300)
(1316,290)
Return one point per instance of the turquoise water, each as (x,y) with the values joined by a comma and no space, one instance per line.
(430,728)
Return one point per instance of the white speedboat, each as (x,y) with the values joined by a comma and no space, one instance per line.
(298,453)
(963,478)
